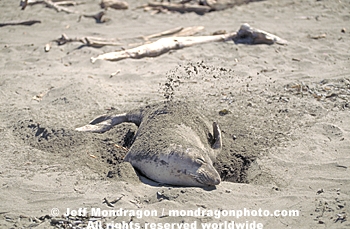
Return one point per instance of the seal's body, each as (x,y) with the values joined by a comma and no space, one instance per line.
(173,144)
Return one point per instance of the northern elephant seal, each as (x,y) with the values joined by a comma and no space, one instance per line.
(173,144)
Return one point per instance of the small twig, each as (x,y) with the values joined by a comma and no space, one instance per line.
(116,200)
(23,4)
(176,32)
(114,4)
(200,7)
(164,33)
(189,31)
(57,6)
(40,96)
(316,37)
(135,202)
(88,41)
(29,22)
(48,3)
(121,147)
(182,8)
(98,17)
(105,201)
(64,39)
(68,3)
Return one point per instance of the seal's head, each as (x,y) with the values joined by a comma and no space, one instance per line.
(192,167)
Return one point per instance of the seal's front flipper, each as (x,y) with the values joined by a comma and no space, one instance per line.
(103,123)
(217,137)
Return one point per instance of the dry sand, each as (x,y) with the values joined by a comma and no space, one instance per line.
(286,134)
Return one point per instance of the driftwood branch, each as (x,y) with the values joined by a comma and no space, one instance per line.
(99,17)
(178,31)
(182,8)
(97,42)
(48,3)
(29,22)
(87,41)
(199,7)
(217,5)
(114,4)
(252,36)
(68,3)
(246,35)
(160,47)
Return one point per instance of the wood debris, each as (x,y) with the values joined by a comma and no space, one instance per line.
(316,37)
(160,47)
(249,35)
(199,7)
(87,41)
(164,33)
(47,47)
(105,201)
(48,3)
(68,3)
(97,42)
(114,73)
(217,5)
(40,96)
(182,8)
(114,4)
(28,22)
(121,147)
(245,35)
(99,17)
(176,32)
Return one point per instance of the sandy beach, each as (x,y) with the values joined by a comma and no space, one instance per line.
(283,111)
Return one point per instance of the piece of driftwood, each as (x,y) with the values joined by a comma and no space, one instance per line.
(189,31)
(97,42)
(160,47)
(176,32)
(217,5)
(99,17)
(164,33)
(28,22)
(246,35)
(67,3)
(249,35)
(199,7)
(114,4)
(87,41)
(48,3)
(182,8)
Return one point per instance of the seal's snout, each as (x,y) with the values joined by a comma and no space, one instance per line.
(214,181)
(209,176)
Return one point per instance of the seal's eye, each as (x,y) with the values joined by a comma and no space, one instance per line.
(200,161)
